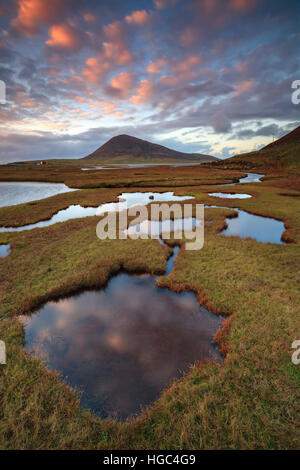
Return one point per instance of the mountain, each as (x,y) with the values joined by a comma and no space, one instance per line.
(128,149)
(283,153)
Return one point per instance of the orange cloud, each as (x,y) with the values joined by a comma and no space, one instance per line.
(63,36)
(139,17)
(29,104)
(117,52)
(115,49)
(243,86)
(109,108)
(89,17)
(33,12)
(156,66)
(113,31)
(242,67)
(189,63)
(183,71)
(122,82)
(94,69)
(189,36)
(144,94)
(162,4)
(54,71)
(209,6)
(242,5)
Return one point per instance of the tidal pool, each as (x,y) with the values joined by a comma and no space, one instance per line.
(126,200)
(245,225)
(122,345)
(262,229)
(230,196)
(4,250)
(13,193)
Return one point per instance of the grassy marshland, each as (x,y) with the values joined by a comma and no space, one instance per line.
(73,176)
(251,401)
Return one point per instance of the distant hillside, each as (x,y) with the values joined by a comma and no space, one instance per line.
(283,153)
(128,149)
(290,138)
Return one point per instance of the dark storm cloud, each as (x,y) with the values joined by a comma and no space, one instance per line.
(271,130)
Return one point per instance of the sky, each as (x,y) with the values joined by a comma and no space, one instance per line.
(207,76)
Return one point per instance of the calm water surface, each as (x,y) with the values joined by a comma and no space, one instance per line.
(14,193)
(230,196)
(76,211)
(138,165)
(250,178)
(4,250)
(261,229)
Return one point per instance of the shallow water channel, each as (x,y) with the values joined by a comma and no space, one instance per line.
(137,165)
(261,229)
(4,250)
(250,178)
(230,196)
(126,200)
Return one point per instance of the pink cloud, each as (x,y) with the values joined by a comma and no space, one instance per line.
(29,104)
(189,36)
(242,67)
(117,52)
(54,71)
(217,11)
(242,5)
(138,17)
(246,85)
(32,12)
(63,36)
(114,31)
(144,94)
(183,71)
(162,4)
(109,108)
(94,69)
(115,49)
(210,6)
(156,66)
(89,17)
(123,83)
(189,63)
